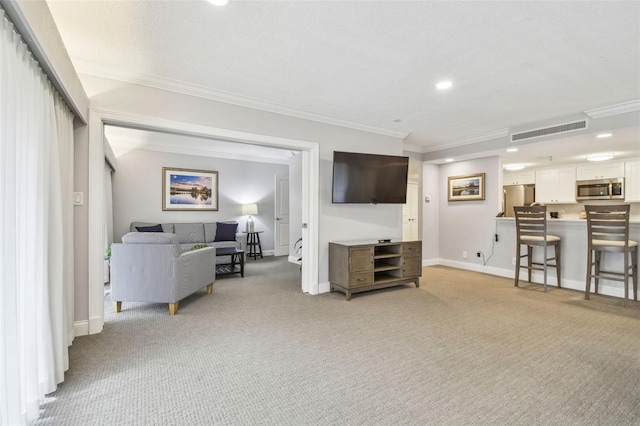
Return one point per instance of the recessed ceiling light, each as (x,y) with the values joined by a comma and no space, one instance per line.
(512,150)
(218,2)
(600,157)
(449,160)
(444,84)
(514,166)
(604,135)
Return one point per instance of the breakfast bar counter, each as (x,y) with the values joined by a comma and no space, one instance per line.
(573,234)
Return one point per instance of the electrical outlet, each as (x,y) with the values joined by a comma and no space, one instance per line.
(464,255)
(477,254)
(496,238)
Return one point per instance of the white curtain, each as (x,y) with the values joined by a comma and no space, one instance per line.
(36,232)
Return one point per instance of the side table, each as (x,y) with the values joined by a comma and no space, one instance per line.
(254,248)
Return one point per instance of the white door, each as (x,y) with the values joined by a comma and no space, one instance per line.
(410,214)
(281,226)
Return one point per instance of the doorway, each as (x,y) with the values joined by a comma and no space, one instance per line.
(410,214)
(99,118)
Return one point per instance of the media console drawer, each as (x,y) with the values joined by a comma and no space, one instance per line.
(361,266)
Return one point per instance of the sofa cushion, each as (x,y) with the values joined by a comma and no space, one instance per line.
(166,227)
(153,238)
(226,231)
(210,232)
(150,238)
(189,232)
(154,228)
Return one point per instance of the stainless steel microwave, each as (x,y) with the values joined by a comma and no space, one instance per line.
(600,189)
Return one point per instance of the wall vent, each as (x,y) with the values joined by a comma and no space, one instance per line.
(553,130)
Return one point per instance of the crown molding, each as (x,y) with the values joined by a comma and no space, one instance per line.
(413,148)
(190,89)
(610,110)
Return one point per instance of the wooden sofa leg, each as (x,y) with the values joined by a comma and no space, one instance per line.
(173,308)
(210,288)
(117,307)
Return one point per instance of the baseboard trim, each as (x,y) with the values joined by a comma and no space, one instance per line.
(81,328)
(604,288)
(324,287)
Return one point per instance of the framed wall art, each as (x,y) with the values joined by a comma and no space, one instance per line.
(466,188)
(185,189)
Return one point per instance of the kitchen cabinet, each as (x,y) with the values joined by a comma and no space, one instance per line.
(600,171)
(632,181)
(556,186)
(519,178)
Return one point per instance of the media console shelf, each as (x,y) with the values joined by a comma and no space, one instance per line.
(356,266)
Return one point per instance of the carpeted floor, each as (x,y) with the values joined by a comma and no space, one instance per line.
(464,348)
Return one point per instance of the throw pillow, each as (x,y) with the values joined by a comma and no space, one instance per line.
(154,228)
(226,231)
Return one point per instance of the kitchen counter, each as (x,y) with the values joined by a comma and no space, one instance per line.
(632,219)
(573,234)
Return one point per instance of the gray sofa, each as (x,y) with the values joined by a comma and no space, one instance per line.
(190,234)
(151,267)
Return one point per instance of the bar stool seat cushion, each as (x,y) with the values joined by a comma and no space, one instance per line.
(550,238)
(614,243)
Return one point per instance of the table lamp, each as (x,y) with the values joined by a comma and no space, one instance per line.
(249,209)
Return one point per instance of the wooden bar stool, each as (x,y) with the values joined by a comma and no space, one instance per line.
(608,231)
(531,231)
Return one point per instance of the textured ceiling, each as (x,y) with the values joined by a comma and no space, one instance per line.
(374,63)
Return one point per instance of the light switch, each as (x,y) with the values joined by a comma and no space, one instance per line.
(427,199)
(78,198)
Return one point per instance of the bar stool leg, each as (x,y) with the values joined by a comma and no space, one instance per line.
(634,271)
(544,268)
(626,279)
(587,288)
(529,261)
(517,265)
(597,277)
(558,263)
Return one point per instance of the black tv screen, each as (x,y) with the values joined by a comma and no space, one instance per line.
(369,178)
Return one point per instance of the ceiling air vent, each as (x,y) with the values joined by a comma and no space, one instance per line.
(553,130)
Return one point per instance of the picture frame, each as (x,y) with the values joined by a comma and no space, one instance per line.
(466,187)
(189,190)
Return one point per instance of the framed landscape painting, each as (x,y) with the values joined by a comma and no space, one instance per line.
(185,189)
(466,188)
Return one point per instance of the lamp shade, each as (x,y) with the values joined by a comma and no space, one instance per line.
(249,209)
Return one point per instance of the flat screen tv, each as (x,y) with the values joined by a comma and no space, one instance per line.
(369,178)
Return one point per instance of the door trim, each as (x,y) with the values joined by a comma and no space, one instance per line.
(97,120)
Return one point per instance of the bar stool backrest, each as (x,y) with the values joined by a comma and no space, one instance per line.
(531,224)
(608,225)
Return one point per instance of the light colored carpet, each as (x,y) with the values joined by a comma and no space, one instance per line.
(464,348)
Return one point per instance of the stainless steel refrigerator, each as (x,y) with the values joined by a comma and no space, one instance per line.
(517,195)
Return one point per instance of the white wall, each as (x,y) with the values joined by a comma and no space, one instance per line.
(137,191)
(468,225)
(336,222)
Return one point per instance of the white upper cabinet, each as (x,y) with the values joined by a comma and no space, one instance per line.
(519,178)
(556,186)
(632,181)
(600,171)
